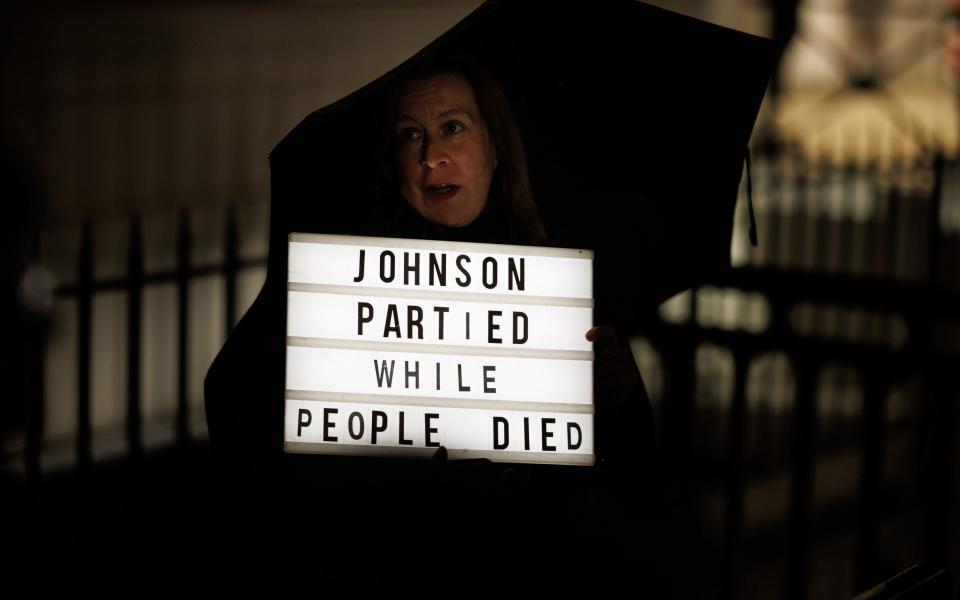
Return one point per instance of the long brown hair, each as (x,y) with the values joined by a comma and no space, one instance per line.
(511,194)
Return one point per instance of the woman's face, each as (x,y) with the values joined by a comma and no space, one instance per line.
(444,154)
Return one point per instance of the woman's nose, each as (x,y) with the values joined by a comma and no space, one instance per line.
(433,154)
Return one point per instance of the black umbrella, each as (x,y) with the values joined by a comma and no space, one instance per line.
(635,121)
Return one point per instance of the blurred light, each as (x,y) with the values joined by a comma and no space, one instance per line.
(676,310)
(36,289)
(731,309)
(854,325)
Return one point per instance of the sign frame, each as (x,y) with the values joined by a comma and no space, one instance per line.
(538,284)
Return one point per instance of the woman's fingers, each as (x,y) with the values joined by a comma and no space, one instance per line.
(616,371)
(602,334)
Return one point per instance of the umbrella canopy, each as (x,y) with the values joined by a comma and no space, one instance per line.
(635,122)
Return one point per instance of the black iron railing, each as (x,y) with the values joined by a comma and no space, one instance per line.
(132,283)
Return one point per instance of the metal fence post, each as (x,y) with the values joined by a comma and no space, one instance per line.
(84,313)
(134,317)
(183,287)
(736,444)
(801,481)
(230,267)
(870,500)
(35,396)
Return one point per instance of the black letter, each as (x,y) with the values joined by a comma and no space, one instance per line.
(428,430)
(468,326)
(487,283)
(547,435)
(570,428)
(359,434)
(301,423)
(491,326)
(517,317)
(466,276)
(360,318)
(382,418)
(391,316)
(359,276)
(440,269)
(506,433)
(440,310)
(403,442)
(489,379)
(460,378)
(408,268)
(383,266)
(514,275)
(328,424)
(438,377)
(526,433)
(414,321)
(382,372)
(415,373)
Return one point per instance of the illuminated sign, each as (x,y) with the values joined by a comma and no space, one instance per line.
(396,347)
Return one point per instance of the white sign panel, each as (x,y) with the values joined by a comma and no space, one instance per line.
(397,347)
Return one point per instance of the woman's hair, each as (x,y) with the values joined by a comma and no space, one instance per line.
(511,194)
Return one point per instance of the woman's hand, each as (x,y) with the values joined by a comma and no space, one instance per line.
(624,423)
(616,370)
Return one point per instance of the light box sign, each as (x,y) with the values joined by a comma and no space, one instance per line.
(396,347)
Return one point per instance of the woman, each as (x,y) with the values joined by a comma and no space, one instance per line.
(452,167)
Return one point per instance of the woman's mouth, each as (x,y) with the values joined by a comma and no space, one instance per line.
(442,191)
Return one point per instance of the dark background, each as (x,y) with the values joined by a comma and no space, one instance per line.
(806,402)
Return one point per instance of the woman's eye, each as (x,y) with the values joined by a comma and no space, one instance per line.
(410,134)
(453,127)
